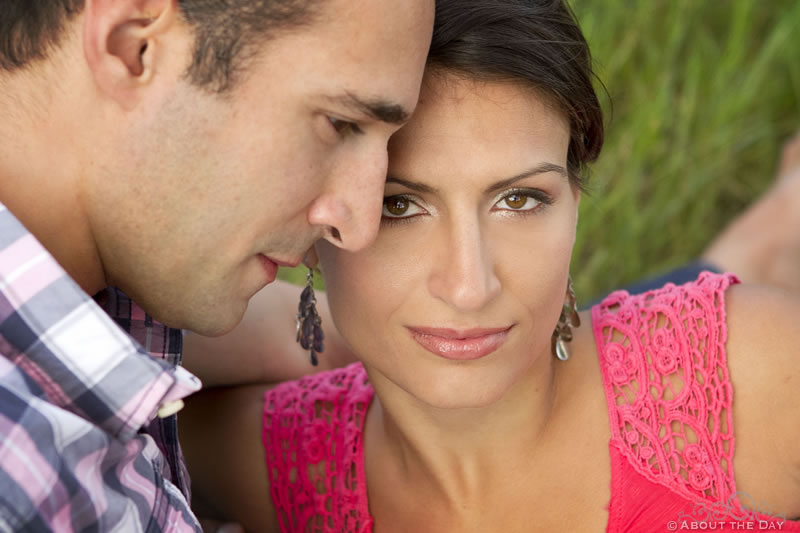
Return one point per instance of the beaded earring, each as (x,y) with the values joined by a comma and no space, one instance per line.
(569,319)
(309,323)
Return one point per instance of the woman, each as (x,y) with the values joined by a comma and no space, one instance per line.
(465,413)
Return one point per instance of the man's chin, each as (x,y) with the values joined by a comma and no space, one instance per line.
(207,320)
(215,323)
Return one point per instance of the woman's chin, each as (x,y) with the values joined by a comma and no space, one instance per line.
(453,393)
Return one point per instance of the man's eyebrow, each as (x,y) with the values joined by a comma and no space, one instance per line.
(378,109)
(541,169)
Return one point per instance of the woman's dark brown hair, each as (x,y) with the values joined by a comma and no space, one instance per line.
(535,43)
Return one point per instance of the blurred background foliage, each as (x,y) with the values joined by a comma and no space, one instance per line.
(701,95)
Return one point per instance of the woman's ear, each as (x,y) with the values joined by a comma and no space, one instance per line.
(127,42)
(576,191)
(576,194)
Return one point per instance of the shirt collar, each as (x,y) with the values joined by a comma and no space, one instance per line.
(74,355)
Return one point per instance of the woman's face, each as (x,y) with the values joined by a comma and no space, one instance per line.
(458,297)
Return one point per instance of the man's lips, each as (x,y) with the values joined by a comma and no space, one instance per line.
(270,268)
(271,265)
(460,344)
(284,262)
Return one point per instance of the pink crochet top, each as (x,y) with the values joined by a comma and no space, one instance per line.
(669,396)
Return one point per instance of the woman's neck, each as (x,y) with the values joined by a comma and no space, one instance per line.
(498,467)
(459,453)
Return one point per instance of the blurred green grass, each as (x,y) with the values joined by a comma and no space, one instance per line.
(703,93)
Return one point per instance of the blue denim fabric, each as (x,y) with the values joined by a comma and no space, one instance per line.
(678,276)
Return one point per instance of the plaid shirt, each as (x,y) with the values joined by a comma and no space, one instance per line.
(81,445)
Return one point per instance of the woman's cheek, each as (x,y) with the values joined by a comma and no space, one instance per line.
(368,289)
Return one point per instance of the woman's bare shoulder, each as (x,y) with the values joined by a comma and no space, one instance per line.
(763,351)
(220,432)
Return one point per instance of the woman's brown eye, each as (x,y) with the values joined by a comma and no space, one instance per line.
(396,205)
(516,200)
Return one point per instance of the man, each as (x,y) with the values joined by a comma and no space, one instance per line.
(180,151)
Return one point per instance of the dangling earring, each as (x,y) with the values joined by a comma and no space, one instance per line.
(309,324)
(569,319)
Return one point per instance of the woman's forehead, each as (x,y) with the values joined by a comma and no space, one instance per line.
(476,127)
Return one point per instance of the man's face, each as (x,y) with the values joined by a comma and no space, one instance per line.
(202,194)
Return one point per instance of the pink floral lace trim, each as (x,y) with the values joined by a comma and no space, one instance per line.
(669,395)
(664,367)
(313,440)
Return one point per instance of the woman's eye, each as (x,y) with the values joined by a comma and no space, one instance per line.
(400,207)
(396,205)
(518,202)
(521,201)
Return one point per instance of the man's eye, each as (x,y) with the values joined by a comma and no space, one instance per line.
(400,207)
(344,127)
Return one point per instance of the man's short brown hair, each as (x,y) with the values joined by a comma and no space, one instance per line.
(227,32)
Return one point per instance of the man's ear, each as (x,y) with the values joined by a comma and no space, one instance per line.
(124,42)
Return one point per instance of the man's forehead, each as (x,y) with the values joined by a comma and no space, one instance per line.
(369,62)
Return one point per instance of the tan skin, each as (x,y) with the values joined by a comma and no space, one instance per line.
(270,315)
(762,244)
(132,176)
(236,478)
(530,434)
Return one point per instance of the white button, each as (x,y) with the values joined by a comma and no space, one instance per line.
(169,409)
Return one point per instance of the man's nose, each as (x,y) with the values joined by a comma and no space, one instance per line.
(350,208)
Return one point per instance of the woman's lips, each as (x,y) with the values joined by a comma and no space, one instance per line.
(460,345)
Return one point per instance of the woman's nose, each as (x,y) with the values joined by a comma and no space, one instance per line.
(465,276)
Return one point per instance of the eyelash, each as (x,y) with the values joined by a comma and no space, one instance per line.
(346,127)
(540,196)
(400,219)
(396,221)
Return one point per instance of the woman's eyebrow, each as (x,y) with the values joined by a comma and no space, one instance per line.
(413,185)
(541,169)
